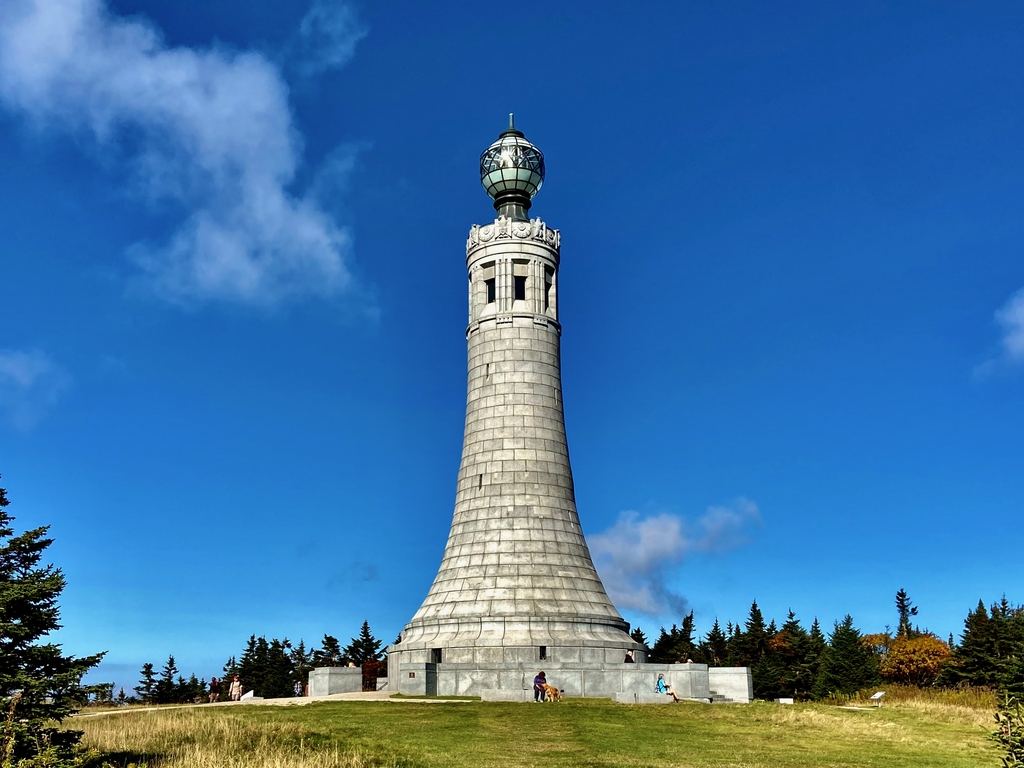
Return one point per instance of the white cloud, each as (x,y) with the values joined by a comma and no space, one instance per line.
(30,383)
(207,129)
(327,37)
(636,554)
(1011,319)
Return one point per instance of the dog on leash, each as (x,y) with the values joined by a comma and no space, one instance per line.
(551,693)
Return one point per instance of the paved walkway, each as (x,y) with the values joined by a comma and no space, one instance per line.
(296,701)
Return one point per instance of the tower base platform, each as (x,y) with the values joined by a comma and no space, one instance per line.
(513,681)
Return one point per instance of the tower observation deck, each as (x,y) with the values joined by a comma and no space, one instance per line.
(516,585)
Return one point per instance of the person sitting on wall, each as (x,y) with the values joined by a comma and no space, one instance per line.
(538,687)
(662,687)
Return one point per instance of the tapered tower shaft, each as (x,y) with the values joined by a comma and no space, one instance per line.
(516,582)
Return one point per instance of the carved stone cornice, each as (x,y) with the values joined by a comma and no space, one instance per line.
(504,228)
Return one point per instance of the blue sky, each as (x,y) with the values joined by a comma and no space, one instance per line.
(232,361)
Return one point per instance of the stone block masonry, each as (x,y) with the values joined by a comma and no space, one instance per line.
(517,591)
(516,583)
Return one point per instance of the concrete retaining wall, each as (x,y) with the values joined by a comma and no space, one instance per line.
(734,683)
(689,681)
(324,681)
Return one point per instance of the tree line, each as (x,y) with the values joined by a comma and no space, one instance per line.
(271,669)
(792,661)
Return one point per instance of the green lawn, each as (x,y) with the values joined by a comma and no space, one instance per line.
(593,733)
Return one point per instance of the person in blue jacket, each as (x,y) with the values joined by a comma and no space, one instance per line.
(662,687)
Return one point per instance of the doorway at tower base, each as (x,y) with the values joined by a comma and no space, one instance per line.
(513,681)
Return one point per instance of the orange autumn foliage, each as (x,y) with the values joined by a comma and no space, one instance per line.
(914,660)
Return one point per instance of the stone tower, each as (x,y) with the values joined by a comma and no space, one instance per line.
(516,584)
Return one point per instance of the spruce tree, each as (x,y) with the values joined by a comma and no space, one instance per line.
(792,644)
(166,691)
(329,654)
(279,673)
(975,660)
(253,667)
(302,663)
(363,648)
(847,665)
(716,649)
(663,650)
(638,636)
(147,685)
(747,647)
(39,685)
(905,609)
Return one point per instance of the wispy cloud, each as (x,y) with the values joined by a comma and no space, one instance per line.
(208,129)
(636,555)
(30,384)
(1010,318)
(327,38)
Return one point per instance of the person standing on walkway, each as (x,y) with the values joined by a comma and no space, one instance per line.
(538,687)
(214,689)
(236,689)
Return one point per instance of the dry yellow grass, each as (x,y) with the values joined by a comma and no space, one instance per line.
(190,738)
(968,706)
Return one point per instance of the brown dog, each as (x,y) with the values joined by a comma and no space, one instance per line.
(551,693)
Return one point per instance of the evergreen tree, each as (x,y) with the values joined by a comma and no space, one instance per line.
(792,644)
(662,650)
(279,677)
(991,649)
(147,685)
(639,637)
(166,691)
(686,648)
(302,663)
(39,686)
(905,609)
(748,646)
(329,654)
(847,665)
(716,649)
(252,667)
(363,648)
(191,690)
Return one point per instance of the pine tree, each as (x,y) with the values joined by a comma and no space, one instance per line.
(716,649)
(905,609)
(279,678)
(747,647)
(329,654)
(685,647)
(302,663)
(253,666)
(147,685)
(847,665)
(39,686)
(638,636)
(363,648)
(165,691)
(792,644)
(663,650)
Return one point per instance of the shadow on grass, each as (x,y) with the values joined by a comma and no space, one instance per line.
(126,760)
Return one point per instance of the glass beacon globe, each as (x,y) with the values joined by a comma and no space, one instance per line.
(512,172)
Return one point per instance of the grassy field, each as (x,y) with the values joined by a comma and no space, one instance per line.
(576,733)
